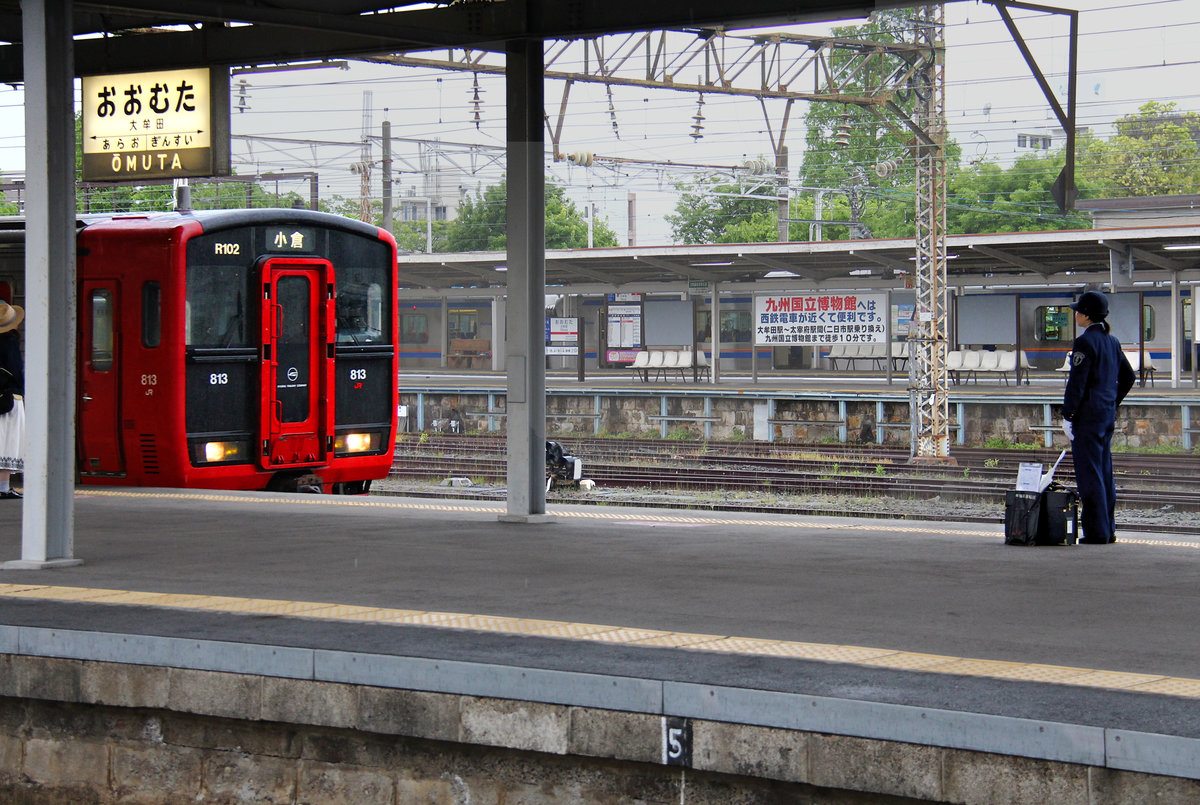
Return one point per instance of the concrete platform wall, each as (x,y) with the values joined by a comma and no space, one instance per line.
(96,731)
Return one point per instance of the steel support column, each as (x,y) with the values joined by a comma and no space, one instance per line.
(928,396)
(525,347)
(47,536)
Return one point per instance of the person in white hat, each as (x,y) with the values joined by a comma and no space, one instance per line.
(12,399)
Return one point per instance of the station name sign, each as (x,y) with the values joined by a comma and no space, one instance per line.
(797,319)
(165,124)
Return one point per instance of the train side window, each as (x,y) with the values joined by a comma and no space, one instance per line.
(1053,323)
(151,315)
(414,328)
(1148,322)
(102,330)
(462,323)
(735,326)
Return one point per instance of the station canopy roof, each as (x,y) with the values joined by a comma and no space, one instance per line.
(1067,258)
(115,36)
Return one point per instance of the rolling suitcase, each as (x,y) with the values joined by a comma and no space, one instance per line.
(1060,511)
(1022,517)
(1049,517)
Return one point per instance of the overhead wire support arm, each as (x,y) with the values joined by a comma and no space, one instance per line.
(1064,190)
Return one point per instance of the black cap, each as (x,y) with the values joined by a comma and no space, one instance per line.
(1092,304)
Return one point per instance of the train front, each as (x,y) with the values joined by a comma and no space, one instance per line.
(285,323)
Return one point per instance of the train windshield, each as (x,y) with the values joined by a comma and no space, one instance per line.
(363,310)
(216,306)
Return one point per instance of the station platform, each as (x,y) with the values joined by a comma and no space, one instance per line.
(927,615)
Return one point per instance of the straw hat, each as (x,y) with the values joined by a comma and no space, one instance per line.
(10,316)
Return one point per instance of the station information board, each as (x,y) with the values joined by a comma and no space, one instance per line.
(820,318)
(562,335)
(157,125)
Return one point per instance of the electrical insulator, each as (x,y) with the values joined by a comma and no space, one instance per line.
(698,125)
(757,167)
(887,168)
(842,138)
(476,102)
(581,158)
(612,112)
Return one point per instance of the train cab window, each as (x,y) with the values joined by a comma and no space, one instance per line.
(151,315)
(216,306)
(414,328)
(1054,323)
(360,314)
(102,330)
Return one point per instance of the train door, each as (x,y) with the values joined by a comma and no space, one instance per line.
(297,337)
(99,403)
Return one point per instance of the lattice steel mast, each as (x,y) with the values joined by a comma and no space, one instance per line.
(928,403)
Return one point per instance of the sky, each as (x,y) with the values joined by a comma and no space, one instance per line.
(1130,51)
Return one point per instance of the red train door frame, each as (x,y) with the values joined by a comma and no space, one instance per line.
(297,376)
(99,383)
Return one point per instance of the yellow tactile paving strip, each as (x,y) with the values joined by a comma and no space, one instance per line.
(860,655)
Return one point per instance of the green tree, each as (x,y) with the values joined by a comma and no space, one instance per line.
(1154,153)
(985,197)
(481,224)
(869,141)
(709,207)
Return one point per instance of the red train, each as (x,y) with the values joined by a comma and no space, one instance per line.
(241,349)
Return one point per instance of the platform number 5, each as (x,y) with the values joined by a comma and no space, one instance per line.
(677,741)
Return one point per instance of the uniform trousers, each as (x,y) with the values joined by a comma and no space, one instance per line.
(1091,450)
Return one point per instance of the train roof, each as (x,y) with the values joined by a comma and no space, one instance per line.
(1070,258)
(12,227)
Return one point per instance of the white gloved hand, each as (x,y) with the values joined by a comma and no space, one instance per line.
(1069,430)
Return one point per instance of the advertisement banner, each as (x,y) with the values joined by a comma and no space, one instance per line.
(820,318)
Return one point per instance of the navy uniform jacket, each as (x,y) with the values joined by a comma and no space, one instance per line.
(1100,377)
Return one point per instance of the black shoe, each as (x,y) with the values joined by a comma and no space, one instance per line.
(1089,541)
(12,493)
(1112,539)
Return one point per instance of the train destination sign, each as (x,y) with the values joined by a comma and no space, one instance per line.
(158,125)
(820,318)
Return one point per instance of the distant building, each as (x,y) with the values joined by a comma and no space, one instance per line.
(1112,213)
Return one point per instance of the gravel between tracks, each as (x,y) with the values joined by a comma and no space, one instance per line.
(879,506)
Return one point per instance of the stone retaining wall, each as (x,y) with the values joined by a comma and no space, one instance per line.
(81,731)
(795,418)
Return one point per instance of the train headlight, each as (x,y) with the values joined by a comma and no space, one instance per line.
(356,443)
(218,452)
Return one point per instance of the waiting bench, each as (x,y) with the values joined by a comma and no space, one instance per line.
(664,362)
(963,364)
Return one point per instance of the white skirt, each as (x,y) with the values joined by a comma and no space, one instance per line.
(12,438)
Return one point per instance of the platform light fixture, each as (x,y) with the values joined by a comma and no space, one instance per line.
(1182,247)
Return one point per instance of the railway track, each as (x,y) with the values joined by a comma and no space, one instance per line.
(980,475)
